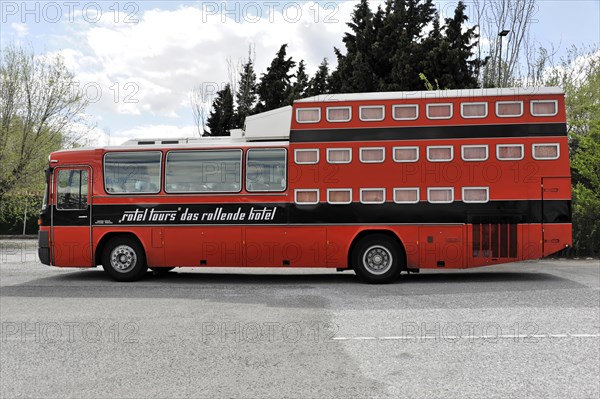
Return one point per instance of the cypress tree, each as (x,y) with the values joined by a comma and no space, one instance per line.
(403,33)
(221,116)
(358,55)
(460,71)
(275,85)
(319,83)
(301,84)
(246,94)
(388,50)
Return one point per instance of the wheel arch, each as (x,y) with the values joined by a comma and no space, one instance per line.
(109,236)
(365,233)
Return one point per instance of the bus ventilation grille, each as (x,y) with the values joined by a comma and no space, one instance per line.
(495,240)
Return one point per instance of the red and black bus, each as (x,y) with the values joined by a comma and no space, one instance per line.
(375,182)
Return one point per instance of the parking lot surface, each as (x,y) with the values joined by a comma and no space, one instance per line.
(522,330)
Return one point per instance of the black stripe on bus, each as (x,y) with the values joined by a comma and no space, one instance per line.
(493,212)
(429,132)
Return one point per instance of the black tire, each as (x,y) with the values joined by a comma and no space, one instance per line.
(124,259)
(378,259)
(161,270)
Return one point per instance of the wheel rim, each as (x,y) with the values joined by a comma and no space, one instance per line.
(123,258)
(378,260)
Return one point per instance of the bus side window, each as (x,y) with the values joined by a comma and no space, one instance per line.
(266,169)
(132,172)
(203,171)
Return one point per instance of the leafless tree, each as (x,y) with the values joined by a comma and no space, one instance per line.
(494,16)
(201,96)
(41,110)
(233,72)
(201,101)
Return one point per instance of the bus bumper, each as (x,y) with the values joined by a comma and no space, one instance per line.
(43,247)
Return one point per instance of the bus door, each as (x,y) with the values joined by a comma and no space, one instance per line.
(71,216)
(556,214)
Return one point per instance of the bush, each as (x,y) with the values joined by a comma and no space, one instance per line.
(12,212)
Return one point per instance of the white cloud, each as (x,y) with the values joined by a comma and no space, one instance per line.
(20,29)
(146,70)
(168,52)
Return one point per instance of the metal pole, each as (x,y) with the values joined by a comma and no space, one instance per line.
(25,217)
(500,64)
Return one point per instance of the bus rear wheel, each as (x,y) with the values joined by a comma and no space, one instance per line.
(377,259)
(124,259)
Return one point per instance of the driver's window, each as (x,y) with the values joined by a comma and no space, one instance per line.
(72,189)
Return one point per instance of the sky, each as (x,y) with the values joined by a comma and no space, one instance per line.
(137,62)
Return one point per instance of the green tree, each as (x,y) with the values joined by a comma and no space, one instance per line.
(41,111)
(275,85)
(449,53)
(318,84)
(389,50)
(579,75)
(354,70)
(586,192)
(301,84)
(246,93)
(401,38)
(461,69)
(221,118)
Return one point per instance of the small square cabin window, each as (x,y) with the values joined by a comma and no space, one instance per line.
(406,154)
(308,156)
(406,195)
(308,115)
(372,195)
(407,112)
(544,107)
(372,113)
(439,111)
(545,151)
(306,197)
(440,195)
(474,152)
(372,155)
(508,109)
(509,152)
(473,110)
(475,194)
(339,155)
(339,196)
(440,154)
(339,114)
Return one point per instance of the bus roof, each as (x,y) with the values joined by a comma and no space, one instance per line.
(184,143)
(437,94)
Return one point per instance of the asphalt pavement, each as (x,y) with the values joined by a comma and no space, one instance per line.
(521,330)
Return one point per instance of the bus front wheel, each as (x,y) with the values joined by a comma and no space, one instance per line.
(124,259)
(377,259)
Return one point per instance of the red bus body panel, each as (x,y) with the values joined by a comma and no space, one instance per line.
(324,237)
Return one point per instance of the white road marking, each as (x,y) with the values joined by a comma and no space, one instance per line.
(466,337)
